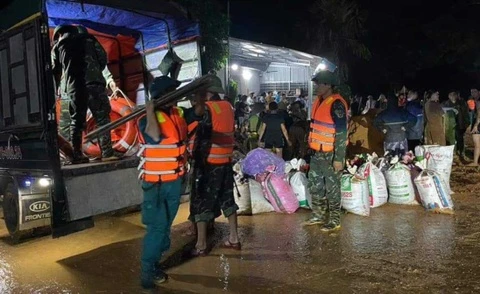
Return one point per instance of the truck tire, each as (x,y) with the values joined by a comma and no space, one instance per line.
(11,213)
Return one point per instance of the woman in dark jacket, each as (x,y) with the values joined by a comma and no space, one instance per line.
(415,108)
(394,122)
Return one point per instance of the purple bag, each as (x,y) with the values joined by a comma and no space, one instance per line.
(258,160)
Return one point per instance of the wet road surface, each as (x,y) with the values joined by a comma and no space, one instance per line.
(398,249)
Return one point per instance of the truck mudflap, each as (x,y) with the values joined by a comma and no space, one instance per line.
(35,211)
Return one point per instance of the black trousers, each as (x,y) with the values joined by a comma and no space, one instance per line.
(412,144)
(459,136)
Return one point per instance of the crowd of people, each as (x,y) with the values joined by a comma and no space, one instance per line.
(408,120)
(274,122)
(205,134)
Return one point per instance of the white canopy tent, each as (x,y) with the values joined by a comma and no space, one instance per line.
(258,68)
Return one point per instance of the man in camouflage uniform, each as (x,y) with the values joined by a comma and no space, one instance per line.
(64,119)
(298,131)
(326,165)
(77,63)
(213,187)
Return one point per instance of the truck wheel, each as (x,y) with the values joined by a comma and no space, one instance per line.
(11,212)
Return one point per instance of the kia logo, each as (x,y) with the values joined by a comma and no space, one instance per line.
(39,206)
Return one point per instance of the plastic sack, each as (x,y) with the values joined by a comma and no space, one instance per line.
(258,160)
(355,195)
(241,193)
(420,159)
(298,163)
(288,167)
(299,183)
(433,192)
(377,185)
(280,194)
(400,185)
(383,165)
(259,203)
(440,160)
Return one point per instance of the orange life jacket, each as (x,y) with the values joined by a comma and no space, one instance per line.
(165,162)
(192,130)
(322,126)
(223,130)
(471,104)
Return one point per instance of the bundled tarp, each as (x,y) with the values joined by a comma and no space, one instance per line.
(259,161)
(363,136)
(147,23)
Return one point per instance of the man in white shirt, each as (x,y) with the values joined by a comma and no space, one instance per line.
(250,100)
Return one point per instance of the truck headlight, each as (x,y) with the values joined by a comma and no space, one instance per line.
(44,182)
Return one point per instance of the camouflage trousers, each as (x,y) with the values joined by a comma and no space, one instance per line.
(212,190)
(324,184)
(64,120)
(94,98)
(297,135)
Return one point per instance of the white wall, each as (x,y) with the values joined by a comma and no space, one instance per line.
(245,87)
(278,74)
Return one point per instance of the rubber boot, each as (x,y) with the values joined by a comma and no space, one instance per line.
(108,154)
(333,218)
(78,156)
(320,215)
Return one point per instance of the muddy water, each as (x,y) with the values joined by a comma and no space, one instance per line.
(398,249)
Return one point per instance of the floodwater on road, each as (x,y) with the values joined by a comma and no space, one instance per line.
(398,249)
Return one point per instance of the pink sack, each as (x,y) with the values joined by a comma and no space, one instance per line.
(280,194)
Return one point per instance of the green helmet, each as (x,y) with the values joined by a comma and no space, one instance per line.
(216,86)
(326,77)
(82,30)
(162,85)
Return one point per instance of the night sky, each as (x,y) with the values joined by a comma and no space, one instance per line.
(401,51)
(395,38)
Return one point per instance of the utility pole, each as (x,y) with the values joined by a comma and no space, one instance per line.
(227,63)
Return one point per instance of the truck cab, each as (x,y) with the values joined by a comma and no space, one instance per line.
(36,189)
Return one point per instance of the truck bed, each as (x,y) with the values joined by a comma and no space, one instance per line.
(74,170)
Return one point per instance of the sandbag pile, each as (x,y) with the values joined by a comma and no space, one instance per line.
(274,185)
(420,178)
(363,185)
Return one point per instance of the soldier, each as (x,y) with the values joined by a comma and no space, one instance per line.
(65,120)
(297,132)
(78,61)
(163,134)
(107,75)
(327,141)
(213,172)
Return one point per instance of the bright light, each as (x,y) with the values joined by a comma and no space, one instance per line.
(322,66)
(44,182)
(258,51)
(28,183)
(246,74)
(234,66)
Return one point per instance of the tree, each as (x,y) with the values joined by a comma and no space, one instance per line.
(334,30)
(213,30)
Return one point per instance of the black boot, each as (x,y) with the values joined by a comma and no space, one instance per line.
(79,158)
(108,154)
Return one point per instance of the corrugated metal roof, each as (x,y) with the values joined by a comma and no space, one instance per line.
(260,56)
